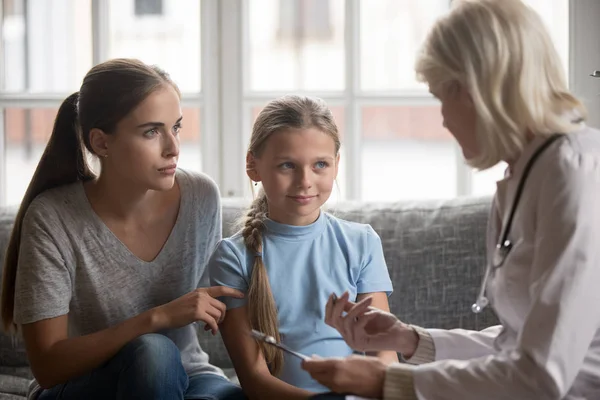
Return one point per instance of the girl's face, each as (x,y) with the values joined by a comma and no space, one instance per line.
(144,149)
(297,168)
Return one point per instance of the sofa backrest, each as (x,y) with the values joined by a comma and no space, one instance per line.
(435,252)
(12,351)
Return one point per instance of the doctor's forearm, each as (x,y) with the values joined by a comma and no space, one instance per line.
(417,346)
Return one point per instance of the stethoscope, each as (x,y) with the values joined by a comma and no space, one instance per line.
(504,245)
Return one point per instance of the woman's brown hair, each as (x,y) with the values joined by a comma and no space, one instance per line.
(109,92)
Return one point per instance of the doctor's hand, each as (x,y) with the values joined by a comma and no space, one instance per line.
(358,375)
(365,328)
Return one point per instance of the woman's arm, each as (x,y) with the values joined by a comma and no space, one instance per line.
(249,363)
(380,301)
(55,358)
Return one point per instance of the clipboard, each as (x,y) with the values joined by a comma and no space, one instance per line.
(270,340)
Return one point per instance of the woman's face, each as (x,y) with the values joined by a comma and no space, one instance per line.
(458,113)
(144,149)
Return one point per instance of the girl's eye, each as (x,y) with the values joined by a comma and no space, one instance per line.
(286,165)
(321,164)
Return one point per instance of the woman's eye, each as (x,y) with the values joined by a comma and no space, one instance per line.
(176,129)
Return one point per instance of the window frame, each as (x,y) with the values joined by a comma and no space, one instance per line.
(352,98)
(226,102)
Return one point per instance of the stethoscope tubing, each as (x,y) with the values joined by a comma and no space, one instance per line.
(504,244)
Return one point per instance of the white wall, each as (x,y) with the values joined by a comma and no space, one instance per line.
(585,55)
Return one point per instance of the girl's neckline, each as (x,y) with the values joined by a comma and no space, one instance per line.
(295,231)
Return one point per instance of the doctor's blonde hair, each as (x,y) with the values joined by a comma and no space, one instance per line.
(501,52)
(279,115)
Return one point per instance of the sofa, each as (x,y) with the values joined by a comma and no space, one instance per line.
(435,253)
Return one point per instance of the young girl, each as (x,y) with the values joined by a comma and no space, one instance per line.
(97,264)
(290,256)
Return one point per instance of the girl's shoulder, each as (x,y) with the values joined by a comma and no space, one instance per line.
(346,225)
(233,245)
(355,231)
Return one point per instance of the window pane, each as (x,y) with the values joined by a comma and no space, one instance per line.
(165,33)
(555,14)
(190,150)
(47,44)
(339,190)
(28,130)
(391,33)
(406,154)
(484,182)
(295,44)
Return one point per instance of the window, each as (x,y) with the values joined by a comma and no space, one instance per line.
(169,38)
(304,20)
(403,143)
(230,57)
(27,131)
(288,49)
(46,45)
(37,36)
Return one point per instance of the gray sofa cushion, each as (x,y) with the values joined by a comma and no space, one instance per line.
(12,351)
(4,396)
(13,385)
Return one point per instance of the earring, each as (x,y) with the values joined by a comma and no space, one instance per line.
(105,155)
(255,183)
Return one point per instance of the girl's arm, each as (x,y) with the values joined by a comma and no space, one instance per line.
(249,363)
(380,301)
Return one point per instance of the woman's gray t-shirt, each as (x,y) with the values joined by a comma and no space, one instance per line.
(71,263)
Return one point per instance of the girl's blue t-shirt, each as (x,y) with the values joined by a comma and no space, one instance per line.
(305,264)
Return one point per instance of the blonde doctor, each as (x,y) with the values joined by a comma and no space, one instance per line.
(492,65)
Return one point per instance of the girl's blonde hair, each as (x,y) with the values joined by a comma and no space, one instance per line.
(501,52)
(288,112)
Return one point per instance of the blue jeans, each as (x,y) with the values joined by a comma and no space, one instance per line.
(148,368)
(328,396)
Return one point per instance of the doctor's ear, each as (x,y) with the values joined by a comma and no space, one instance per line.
(464,95)
(251,167)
